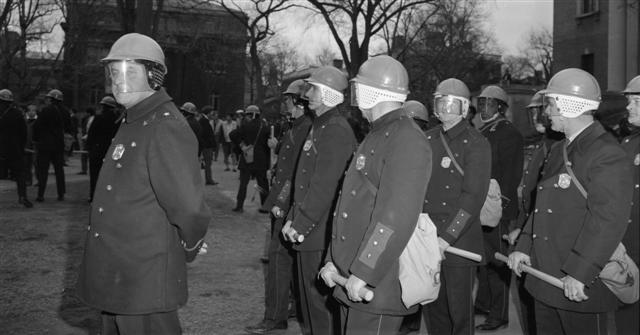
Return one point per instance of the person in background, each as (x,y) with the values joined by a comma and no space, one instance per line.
(227,126)
(101,131)
(31,116)
(418,112)
(208,144)
(13,137)
(190,113)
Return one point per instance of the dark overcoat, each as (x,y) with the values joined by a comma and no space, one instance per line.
(148,200)
(631,240)
(254,132)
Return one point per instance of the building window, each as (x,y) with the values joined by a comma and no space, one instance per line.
(215,101)
(586,62)
(587,7)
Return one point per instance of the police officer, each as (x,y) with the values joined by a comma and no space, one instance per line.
(102,130)
(460,180)
(209,143)
(190,113)
(380,202)
(279,201)
(13,138)
(324,158)
(572,234)
(252,135)
(627,315)
(507,157)
(418,112)
(148,216)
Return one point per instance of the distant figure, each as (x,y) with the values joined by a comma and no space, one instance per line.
(208,143)
(29,158)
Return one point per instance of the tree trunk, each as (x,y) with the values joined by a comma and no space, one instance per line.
(257,73)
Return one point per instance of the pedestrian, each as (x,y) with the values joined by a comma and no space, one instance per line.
(13,138)
(279,277)
(379,204)
(49,137)
(190,113)
(101,131)
(418,112)
(84,123)
(627,315)
(251,138)
(534,165)
(582,207)
(31,116)
(149,216)
(507,156)
(209,144)
(325,156)
(460,176)
(227,126)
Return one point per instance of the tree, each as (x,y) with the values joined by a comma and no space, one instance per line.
(539,50)
(255,16)
(363,20)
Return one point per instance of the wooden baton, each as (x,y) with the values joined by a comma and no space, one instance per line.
(463,253)
(364,292)
(536,273)
(298,238)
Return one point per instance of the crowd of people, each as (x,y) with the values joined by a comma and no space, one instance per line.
(344,209)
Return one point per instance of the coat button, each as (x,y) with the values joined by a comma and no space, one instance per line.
(539,187)
(444,203)
(100,210)
(133,144)
(109,187)
(381,230)
(304,170)
(535,210)
(89,228)
(334,213)
(375,242)
(353,193)
(343,238)
(446,186)
(118,165)
(545,238)
(368,255)
(549,210)
(637,185)
(534,236)
(344,215)
(96,235)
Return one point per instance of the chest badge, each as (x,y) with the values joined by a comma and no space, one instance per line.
(118,151)
(636,161)
(446,162)
(564,181)
(360,162)
(307,145)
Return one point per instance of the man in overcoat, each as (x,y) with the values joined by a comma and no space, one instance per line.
(381,199)
(148,217)
(581,212)
(325,155)
(453,201)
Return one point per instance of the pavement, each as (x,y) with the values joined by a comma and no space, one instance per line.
(227,188)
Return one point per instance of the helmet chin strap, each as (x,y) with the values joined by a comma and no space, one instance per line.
(495,116)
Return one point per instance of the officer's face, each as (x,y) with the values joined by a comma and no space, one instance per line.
(314,94)
(487,107)
(633,107)
(31,111)
(128,79)
(553,113)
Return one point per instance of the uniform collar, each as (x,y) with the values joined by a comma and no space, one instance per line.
(147,105)
(327,115)
(586,136)
(388,118)
(457,129)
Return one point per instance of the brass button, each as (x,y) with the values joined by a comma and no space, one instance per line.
(375,242)
(118,165)
(343,238)
(344,215)
(100,210)
(549,210)
(96,235)
(109,187)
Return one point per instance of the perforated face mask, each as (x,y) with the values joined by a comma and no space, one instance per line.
(127,77)
(366,97)
(570,106)
(319,93)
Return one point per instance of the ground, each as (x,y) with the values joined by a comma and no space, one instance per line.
(41,247)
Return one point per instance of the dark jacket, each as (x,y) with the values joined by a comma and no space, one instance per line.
(49,129)
(378,209)
(195,127)
(102,130)
(570,235)
(206,134)
(253,132)
(290,148)
(324,158)
(149,197)
(454,201)
(507,157)
(631,240)
(13,132)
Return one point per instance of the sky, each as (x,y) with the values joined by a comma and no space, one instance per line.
(508,20)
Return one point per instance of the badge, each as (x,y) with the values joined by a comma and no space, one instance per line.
(307,145)
(564,180)
(360,162)
(636,161)
(117,152)
(446,162)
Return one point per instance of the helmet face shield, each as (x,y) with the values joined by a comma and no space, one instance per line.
(366,97)
(446,104)
(127,76)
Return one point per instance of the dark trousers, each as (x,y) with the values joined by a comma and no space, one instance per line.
(627,319)
(95,164)
(16,169)
(147,324)
(527,308)
(207,155)
(29,164)
(279,276)
(495,277)
(553,321)
(263,184)
(318,309)
(84,158)
(355,322)
(452,312)
(43,160)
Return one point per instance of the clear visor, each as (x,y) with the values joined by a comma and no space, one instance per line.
(446,104)
(127,76)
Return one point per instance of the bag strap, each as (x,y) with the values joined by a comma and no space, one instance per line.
(450,154)
(258,134)
(567,164)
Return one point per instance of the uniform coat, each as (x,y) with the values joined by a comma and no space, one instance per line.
(454,201)
(49,128)
(571,235)
(323,160)
(13,132)
(102,130)
(254,132)
(378,209)
(148,199)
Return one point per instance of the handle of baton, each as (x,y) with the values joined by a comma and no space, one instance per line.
(298,237)
(463,253)
(536,273)
(364,292)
